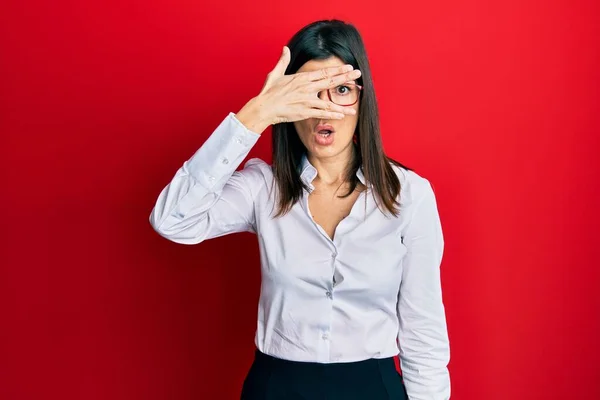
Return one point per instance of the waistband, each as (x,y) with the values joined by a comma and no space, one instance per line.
(363,365)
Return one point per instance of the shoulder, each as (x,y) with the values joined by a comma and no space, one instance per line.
(414,187)
(256,172)
(257,166)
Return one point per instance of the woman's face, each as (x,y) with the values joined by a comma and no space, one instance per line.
(340,140)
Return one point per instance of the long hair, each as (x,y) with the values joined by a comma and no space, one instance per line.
(317,41)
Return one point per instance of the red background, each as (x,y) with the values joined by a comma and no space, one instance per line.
(497,103)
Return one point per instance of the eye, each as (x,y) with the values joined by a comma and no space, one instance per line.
(343,89)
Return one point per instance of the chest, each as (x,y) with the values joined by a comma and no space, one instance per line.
(328,209)
(350,245)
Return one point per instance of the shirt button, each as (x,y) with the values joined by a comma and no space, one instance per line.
(329,295)
(225,161)
(238,140)
(333,255)
(211,178)
(325,336)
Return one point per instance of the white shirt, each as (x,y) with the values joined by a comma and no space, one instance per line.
(323,300)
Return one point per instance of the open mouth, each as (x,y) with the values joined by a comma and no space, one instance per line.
(324,134)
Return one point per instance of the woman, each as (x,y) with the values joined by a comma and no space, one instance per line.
(350,241)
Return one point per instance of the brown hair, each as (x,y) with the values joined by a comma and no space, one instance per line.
(317,41)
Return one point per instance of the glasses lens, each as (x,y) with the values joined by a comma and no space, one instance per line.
(344,95)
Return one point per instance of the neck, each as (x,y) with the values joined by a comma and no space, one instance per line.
(332,170)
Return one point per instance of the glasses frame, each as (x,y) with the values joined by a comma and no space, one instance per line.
(345,84)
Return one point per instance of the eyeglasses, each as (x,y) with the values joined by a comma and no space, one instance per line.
(344,95)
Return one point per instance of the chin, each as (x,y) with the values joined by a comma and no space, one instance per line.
(329,150)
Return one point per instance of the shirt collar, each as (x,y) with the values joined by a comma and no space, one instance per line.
(308,172)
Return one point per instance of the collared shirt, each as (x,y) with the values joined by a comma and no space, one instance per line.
(374,291)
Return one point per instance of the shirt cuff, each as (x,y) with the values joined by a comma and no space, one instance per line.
(220,155)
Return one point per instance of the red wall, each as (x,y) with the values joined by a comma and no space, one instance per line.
(101,102)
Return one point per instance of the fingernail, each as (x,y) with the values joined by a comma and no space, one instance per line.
(348,68)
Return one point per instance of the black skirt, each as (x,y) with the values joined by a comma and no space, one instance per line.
(271,378)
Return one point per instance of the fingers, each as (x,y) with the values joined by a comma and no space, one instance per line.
(282,64)
(322,114)
(328,72)
(329,106)
(336,80)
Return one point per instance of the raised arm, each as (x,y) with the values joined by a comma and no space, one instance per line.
(207,197)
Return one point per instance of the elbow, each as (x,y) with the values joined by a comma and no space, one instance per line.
(157,223)
(170,230)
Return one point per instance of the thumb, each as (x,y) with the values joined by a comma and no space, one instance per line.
(282,63)
(279,69)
